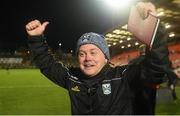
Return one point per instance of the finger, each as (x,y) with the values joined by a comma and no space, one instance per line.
(152,9)
(45,24)
(37,22)
(29,26)
(142,12)
(33,24)
(143,9)
(151,6)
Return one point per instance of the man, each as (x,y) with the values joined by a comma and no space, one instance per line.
(172,80)
(95,87)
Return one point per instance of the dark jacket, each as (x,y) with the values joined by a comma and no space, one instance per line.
(145,98)
(113,90)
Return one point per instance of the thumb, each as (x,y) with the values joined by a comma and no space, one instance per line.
(45,24)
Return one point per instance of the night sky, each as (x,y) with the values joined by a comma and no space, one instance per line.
(69,19)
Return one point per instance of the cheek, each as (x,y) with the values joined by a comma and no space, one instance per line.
(100,60)
(80,61)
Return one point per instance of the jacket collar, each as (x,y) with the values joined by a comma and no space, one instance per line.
(92,81)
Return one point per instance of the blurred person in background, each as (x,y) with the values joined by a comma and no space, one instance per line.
(171,83)
(95,87)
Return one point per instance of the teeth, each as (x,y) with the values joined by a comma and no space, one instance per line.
(88,65)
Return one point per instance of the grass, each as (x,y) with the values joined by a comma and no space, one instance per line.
(169,108)
(25,91)
(28,92)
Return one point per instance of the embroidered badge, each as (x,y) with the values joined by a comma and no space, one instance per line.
(85,40)
(106,88)
(76,88)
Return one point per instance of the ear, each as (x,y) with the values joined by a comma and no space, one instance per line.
(106,60)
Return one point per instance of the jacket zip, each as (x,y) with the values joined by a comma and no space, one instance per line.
(90,93)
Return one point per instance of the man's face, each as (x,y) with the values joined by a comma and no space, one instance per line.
(91,59)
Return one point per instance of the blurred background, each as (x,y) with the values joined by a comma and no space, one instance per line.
(24,90)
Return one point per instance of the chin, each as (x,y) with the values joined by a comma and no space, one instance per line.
(89,74)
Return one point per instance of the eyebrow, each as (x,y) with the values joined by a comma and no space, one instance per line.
(89,50)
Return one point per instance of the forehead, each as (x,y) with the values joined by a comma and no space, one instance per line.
(87,47)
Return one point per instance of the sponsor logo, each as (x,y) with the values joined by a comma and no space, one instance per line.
(76,88)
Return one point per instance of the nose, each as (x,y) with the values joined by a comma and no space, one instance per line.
(88,57)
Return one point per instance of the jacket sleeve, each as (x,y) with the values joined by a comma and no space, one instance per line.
(52,69)
(156,63)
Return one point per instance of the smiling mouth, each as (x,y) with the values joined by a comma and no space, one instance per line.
(88,65)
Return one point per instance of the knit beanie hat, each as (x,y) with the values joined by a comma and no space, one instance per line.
(96,39)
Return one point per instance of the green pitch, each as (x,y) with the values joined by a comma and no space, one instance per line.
(28,92)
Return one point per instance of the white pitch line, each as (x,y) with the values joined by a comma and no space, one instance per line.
(27,86)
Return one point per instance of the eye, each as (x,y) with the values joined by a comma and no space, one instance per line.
(81,54)
(93,53)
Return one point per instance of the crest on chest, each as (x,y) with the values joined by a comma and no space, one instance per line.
(106,87)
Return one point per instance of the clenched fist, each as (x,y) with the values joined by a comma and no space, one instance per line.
(36,28)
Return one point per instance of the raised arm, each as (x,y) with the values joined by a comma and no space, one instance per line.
(53,70)
(156,62)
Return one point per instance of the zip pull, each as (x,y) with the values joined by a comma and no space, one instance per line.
(89,90)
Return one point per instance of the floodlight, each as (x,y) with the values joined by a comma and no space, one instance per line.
(118,4)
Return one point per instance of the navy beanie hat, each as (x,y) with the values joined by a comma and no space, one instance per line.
(96,39)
